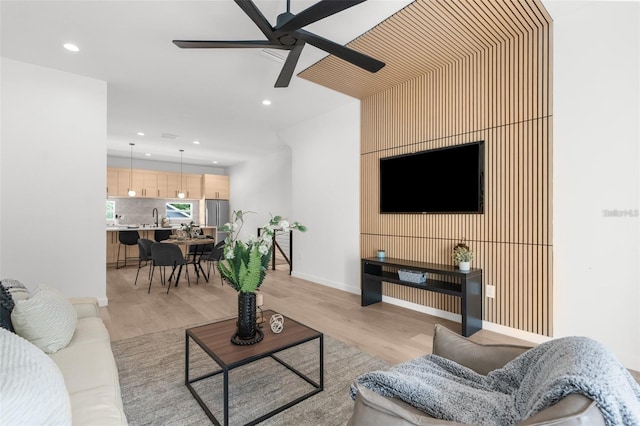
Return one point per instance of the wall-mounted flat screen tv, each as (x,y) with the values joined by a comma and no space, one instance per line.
(444,180)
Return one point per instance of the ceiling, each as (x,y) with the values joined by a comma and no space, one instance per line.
(212,96)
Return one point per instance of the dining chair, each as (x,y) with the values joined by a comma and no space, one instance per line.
(162,234)
(215,255)
(166,254)
(126,239)
(144,255)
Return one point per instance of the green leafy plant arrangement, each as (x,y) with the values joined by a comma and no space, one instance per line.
(462,253)
(245,262)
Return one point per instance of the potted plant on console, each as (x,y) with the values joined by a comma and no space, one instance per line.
(244,268)
(462,256)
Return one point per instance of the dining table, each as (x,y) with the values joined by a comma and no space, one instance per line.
(187,243)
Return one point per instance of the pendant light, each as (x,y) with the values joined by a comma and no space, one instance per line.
(131,192)
(181,194)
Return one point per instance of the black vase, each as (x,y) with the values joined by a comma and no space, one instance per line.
(247,332)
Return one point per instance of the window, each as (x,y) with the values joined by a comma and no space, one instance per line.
(179,211)
(111,210)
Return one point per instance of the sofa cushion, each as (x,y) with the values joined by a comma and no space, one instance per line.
(47,319)
(480,358)
(17,290)
(91,375)
(6,306)
(32,387)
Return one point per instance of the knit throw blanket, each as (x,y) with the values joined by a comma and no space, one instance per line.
(528,384)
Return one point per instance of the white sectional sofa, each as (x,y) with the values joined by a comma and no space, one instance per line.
(33,391)
(89,370)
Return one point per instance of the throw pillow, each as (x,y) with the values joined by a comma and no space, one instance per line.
(47,319)
(32,387)
(16,289)
(6,306)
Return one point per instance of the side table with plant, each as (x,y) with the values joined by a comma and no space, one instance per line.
(244,267)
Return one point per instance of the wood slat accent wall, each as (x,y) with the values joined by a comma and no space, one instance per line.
(501,95)
(460,71)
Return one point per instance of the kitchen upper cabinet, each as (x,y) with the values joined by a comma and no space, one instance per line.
(124,182)
(112,182)
(216,187)
(154,184)
(173,184)
(193,187)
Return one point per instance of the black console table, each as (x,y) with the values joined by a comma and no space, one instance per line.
(466,285)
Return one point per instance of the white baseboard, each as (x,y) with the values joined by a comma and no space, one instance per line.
(486,325)
(424,309)
(332,284)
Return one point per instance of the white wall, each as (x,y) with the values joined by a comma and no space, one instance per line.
(264,187)
(326,197)
(595,168)
(53,148)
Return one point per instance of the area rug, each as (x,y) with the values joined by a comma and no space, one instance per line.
(151,370)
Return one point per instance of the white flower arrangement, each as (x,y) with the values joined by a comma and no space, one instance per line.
(245,264)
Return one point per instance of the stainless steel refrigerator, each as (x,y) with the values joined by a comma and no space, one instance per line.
(216,213)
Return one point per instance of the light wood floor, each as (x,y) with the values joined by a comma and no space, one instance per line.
(386,331)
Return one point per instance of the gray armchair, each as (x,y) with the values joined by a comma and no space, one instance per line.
(374,409)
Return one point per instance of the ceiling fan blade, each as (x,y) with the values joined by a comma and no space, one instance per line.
(230,44)
(314,13)
(290,65)
(356,58)
(258,18)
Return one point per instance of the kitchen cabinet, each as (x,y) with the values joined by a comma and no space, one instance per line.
(216,187)
(112,182)
(124,182)
(154,184)
(193,187)
(173,184)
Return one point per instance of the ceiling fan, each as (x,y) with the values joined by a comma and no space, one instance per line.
(289,35)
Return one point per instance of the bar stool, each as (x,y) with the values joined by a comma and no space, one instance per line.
(126,238)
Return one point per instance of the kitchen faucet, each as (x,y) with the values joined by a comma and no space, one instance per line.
(155,214)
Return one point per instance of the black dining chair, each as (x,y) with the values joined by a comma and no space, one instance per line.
(144,256)
(167,254)
(162,234)
(126,239)
(215,255)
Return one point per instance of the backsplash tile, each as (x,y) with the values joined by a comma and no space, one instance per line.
(138,211)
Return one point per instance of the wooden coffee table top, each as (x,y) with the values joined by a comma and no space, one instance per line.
(215,339)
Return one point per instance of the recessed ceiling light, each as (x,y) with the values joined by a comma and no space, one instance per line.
(147,154)
(71,47)
(266,102)
(196,142)
(140,134)
(215,162)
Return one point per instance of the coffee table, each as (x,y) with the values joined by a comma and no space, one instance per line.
(215,340)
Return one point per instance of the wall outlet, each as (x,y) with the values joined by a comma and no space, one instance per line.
(490,291)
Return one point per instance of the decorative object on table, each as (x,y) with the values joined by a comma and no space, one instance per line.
(244,267)
(164,222)
(412,276)
(381,254)
(277,323)
(462,256)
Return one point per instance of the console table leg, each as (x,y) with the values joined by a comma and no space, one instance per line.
(471,305)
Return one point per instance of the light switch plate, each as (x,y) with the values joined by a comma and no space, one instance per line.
(490,291)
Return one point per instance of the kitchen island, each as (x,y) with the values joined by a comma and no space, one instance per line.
(146,232)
